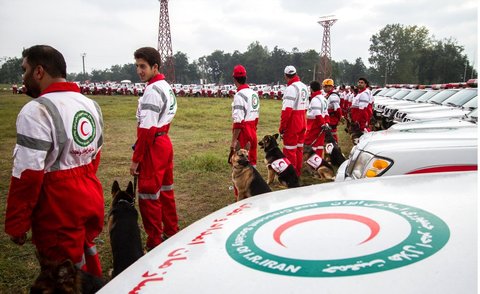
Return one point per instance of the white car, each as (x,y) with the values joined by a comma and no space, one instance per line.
(396,235)
(426,149)
(447,113)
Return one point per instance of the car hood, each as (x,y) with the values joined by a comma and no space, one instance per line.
(363,237)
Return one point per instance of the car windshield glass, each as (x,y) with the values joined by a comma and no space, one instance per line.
(426,96)
(471,105)
(391,92)
(382,92)
(401,94)
(460,98)
(442,96)
(412,96)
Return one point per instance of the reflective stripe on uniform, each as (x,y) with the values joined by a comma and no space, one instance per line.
(164,100)
(290,147)
(166,188)
(80,264)
(146,196)
(300,145)
(240,107)
(33,143)
(297,99)
(91,251)
(60,133)
(318,148)
(243,96)
(147,106)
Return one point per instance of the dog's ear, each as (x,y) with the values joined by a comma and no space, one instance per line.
(237,146)
(247,146)
(276,136)
(115,187)
(130,189)
(65,271)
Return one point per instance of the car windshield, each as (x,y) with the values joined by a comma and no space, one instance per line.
(401,94)
(413,95)
(391,92)
(460,98)
(381,92)
(427,96)
(442,96)
(471,105)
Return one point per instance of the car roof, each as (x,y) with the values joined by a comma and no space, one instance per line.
(400,234)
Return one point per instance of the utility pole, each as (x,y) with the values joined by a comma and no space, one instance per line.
(83,62)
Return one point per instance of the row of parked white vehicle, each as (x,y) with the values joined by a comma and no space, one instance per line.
(228,90)
(424,131)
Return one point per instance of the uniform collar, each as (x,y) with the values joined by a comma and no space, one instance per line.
(156,78)
(61,87)
(241,87)
(293,80)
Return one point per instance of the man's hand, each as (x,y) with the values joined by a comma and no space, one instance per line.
(19,240)
(134,168)
(326,127)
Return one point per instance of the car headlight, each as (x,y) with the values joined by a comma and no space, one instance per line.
(369,166)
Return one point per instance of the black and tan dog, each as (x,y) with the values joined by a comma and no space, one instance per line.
(317,165)
(123,227)
(64,277)
(355,132)
(245,177)
(277,163)
(332,150)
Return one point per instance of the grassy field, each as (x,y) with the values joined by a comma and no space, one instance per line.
(201,133)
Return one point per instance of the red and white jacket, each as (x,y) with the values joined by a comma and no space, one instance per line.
(156,110)
(362,99)
(59,137)
(294,105)
(245,107)
(334,109)
(317,116)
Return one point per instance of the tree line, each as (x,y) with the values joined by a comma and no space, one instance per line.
(398,54)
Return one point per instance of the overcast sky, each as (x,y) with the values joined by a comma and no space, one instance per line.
(108,31)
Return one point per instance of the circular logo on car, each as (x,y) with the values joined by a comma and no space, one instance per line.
(83,128)
(337,238)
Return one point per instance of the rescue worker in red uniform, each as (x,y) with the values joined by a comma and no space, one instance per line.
(317,119)
(152,158)
(334,109)
(245,113)
(359,111)
(54,189)
(293,118)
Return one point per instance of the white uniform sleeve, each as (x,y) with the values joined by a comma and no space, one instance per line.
(149,108)
(34,138)
(289,97)
(238,109)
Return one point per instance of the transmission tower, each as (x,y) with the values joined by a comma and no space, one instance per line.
(165,43)
(325,65)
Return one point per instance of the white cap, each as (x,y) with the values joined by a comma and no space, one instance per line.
(290,70)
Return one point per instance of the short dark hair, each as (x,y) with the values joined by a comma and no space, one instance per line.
(49,58)
(241,80)
(149,54)
(315,86)
(365,80)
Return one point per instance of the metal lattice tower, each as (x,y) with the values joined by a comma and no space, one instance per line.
(165,43)
(325,65)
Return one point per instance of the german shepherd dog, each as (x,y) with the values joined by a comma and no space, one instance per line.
(277,163)
(64,277)
(333,151)
(355,132)
(245,177)
(317,165)
(123,228)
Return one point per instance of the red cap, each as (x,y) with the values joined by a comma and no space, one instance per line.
(239,71)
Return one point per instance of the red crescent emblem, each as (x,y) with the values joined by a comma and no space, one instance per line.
(81,129)
(373,225)
(281,163)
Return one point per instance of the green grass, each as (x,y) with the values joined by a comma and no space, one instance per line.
(201,134)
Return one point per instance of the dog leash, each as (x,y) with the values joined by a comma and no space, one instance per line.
(135,179)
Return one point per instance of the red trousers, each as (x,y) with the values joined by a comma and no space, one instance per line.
(68,216)
(293,148)
(155,191)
